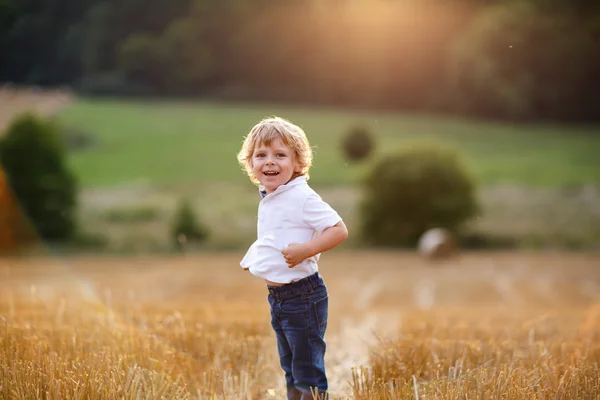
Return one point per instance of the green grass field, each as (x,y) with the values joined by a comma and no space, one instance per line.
(147,155)
(170,142)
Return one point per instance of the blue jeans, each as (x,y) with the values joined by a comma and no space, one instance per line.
(299,318)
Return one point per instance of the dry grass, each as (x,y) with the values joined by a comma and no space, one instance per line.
(477,354)
(500,325)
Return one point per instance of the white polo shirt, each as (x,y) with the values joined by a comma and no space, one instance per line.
(293,213)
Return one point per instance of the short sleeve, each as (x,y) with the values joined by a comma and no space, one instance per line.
(318,214)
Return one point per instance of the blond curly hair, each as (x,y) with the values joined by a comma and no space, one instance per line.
(290,135)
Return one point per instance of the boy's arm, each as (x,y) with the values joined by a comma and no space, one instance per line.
(295,253)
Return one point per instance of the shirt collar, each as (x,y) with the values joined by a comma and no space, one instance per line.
(294,182)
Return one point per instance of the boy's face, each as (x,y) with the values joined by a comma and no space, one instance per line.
(273,165)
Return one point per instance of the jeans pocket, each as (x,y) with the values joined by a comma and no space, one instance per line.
(294,305)
(321,307)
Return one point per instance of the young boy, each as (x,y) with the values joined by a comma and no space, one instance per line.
(294,227)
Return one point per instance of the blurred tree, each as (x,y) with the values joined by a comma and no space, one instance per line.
(33,158)
(516,61)
(389,55)
(176,61)
(139,58)
(38,37)
(109,23)
(189,58)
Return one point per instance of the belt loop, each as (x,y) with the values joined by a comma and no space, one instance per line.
(314,280)
(309,286)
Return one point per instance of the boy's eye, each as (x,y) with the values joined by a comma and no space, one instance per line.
(281,155)
(259,155)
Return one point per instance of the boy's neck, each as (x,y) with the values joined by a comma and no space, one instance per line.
(294,176)
(264,192)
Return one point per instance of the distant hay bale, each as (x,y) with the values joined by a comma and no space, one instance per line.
(437,243)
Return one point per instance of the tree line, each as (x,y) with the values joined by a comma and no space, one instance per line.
(517,60)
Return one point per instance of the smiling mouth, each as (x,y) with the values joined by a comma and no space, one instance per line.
(271,173)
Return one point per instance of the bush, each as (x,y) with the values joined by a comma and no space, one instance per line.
(186,227)
(408,193)
(33,158)
(357,144)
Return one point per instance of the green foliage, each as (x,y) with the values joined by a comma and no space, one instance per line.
(175,61)
(138,57)
(412,191)
(46,31)
(186,227)
(358,143)
(33,158)
(186,57)
(228,49)
(505,63)
(109,23)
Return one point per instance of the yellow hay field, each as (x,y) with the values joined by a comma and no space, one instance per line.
(482,325)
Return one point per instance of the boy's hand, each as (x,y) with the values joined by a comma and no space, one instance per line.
(295,253)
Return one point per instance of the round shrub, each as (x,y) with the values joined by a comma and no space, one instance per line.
(413,191)
(186,226)
(34,161)
(357,144)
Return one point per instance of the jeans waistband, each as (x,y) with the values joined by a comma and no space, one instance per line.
(302,286)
